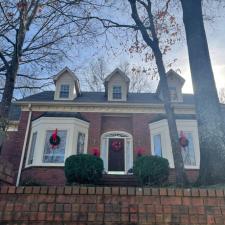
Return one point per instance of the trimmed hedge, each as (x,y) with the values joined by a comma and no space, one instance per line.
(151,170)
(83,169)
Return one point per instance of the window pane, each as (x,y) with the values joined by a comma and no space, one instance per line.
(56,154)
(80,143)
(188,152)
(117,92)
(64,91)
(32,147)
(157,145)
(173,94)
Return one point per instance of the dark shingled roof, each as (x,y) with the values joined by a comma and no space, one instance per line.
(64,114)
(99,97)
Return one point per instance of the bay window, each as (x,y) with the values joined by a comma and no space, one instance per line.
(73,135)
(161,143)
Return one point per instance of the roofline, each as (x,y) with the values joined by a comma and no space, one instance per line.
(168,74)
(55,77)
(117,70)
(115,104)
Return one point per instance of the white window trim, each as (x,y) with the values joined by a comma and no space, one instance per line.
(43,124)
(161,127)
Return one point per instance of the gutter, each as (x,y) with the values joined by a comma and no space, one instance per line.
(24,145)
(108,104)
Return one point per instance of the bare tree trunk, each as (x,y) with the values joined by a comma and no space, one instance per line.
(208,110)
(181,178)
(7,94)
(153,42)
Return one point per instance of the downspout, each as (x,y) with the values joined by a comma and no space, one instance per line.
(24,145)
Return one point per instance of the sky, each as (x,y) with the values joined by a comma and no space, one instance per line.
(215,31)
(114,54)
(216,42)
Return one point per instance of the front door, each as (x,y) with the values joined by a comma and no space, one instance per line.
(116,161)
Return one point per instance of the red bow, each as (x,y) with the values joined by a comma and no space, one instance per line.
(54,135)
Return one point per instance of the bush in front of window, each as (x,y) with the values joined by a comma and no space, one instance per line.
(151,170)
(83,169)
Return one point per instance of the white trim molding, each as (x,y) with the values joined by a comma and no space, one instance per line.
(128,150)
(72,126)
(161,128)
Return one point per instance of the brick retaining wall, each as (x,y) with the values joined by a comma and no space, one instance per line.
(111,206)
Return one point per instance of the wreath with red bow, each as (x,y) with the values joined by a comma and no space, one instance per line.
(116,146)
(54,140)
(183,140)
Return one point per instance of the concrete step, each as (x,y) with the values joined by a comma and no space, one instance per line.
(119,180)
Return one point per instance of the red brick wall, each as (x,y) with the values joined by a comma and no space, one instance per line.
(135,124)
(12,148)
(192,175)
(141,132)
(117,123)
(111,206)
(6,172)
(94,134)
(45,175)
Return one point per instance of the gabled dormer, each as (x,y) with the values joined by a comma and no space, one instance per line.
(175,83)
(67,85)
(117,86)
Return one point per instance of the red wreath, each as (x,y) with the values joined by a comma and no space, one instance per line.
(54,140)
(116,146)
(183,140)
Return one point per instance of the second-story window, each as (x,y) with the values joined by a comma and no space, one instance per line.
(117,92)
(173,94)
(64,91)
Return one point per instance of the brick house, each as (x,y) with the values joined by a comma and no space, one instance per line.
(116,122)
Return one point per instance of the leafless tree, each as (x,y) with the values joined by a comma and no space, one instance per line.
(150,25)
(34,38)
(208,109)
(95,74)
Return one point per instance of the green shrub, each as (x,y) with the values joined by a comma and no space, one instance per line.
(151,170)
(83,169)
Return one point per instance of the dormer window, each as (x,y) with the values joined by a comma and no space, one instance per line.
(64,91)
(117,92)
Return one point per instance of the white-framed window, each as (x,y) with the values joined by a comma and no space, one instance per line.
(80,142)
(64,91)
(43,153)
(188,152)
(33,143)
(160,140)
(157,144)
(173,94)
(54,154)
(117,92)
